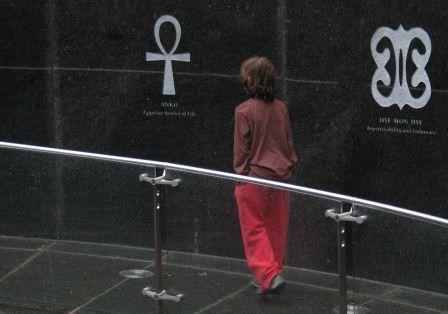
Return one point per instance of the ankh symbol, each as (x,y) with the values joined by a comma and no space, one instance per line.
(168,80)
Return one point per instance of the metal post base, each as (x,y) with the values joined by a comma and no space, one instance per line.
(163,295)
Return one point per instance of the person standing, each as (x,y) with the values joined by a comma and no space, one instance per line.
(263,148)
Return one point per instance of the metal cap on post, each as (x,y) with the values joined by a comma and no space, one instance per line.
(159,180)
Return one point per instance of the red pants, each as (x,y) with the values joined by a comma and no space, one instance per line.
(264,217)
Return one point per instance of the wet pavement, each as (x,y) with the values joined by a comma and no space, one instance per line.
(46,276)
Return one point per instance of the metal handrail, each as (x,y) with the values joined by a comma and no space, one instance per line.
(235,177)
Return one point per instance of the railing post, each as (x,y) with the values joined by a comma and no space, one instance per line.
(159,205)
(342,217)
(342,264)
(160,192)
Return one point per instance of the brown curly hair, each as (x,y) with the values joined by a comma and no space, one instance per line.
(259,78)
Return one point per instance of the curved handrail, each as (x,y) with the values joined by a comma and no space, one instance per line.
(235,177)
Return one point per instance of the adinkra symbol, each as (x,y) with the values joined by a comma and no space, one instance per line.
(168,80)
(401,40)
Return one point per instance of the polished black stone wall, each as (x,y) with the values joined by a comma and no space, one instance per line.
(74,75)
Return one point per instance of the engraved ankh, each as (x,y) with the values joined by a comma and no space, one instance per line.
(168,80)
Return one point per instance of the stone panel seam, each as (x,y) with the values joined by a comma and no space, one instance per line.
(26,68)
(101,256)
(103,293)
(227,297)
(384,298)
(22,265)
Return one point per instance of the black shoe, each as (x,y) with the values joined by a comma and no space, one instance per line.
(275,287)
(254,283)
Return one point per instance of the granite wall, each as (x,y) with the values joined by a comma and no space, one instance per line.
(90,76)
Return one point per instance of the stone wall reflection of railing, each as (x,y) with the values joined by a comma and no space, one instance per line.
(343,215)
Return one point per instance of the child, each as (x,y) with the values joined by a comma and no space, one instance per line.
(263,148)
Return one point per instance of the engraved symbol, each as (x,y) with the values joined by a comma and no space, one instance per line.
(168,80)
(401,40)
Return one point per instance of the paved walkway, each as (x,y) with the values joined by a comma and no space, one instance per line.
(45,276)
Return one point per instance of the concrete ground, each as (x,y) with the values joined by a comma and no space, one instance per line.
(46,276)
